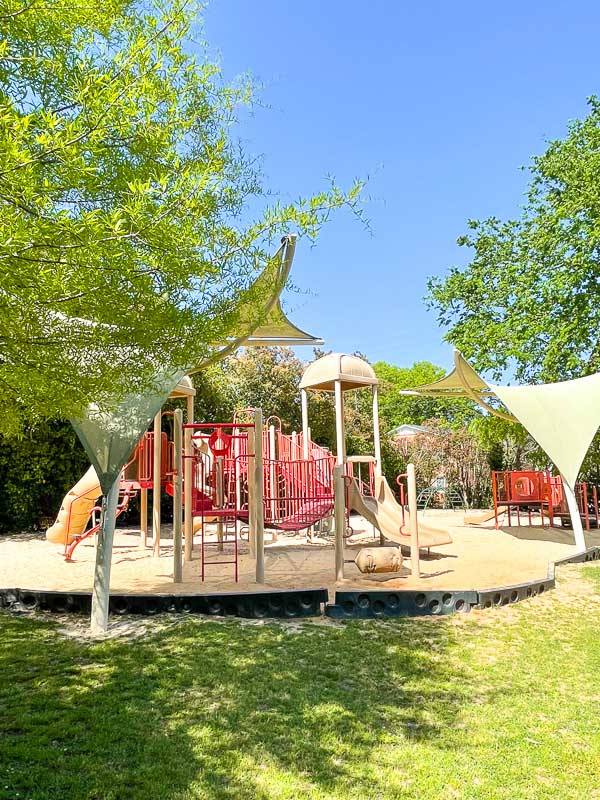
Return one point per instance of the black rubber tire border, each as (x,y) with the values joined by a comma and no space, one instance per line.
(298,603)
(407,603)
(293,604)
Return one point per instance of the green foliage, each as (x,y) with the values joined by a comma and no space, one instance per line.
(530,299)
(508,444)
(457,455)
(126,239)
(36,470)
(397,410)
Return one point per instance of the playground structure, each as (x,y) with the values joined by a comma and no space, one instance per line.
(538,491)
(236,489)
(232,481)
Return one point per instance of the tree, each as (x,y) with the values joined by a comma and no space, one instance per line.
(396,409)
(457,456)
(126,241)
(530,297)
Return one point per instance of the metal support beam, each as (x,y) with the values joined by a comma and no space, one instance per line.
(177,496)
(259,535)
(187,483)
(156,484)
(411,479)
(575,516)
(339,508)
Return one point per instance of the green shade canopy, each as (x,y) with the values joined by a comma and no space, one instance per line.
(110,436)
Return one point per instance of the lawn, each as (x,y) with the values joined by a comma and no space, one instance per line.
(495,704)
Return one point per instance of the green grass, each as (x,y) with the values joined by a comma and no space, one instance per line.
(499,704)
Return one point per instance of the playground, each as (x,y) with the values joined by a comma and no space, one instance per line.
(257,510)
(477,558)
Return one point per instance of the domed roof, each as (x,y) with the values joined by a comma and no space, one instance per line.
(184,388)
(352,371)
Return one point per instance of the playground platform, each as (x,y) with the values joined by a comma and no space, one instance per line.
(478,558)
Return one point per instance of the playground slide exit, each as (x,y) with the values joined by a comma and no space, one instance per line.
(75,509)
(385,513)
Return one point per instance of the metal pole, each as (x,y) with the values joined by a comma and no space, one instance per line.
(177,497)
(219,498)
(575,516)
(272,475)
(414,522)
(187,483)
(144,517)
(156,484)
(106,533)
(305,431)
(258,501)
(340,436)
(376,434)
(339,508)
(251,476)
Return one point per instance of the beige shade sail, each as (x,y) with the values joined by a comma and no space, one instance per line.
(261,319)
(562,417)
(109,436)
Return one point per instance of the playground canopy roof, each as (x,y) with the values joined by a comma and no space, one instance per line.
(352,372)
(562,417)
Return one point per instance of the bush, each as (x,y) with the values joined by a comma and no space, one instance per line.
(36,471)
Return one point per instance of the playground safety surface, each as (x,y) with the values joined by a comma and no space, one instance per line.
(479,558)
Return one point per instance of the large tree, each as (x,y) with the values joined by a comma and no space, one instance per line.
(530,298)
(126,239)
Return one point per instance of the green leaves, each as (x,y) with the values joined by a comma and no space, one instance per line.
(529,300)
(125,243)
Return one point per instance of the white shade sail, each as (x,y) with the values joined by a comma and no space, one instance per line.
(562,417)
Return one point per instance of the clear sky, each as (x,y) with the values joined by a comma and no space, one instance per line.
(439,103)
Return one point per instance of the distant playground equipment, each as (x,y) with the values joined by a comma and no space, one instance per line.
(535,491)
(562,417)
(440,495)
(234,480)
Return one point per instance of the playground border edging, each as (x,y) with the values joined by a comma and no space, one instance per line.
(292,604)
(297,603)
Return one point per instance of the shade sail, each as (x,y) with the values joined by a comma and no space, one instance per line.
(562,417)
(461,382)
(110,436)
(261,319)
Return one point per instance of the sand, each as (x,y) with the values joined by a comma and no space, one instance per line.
(478,558)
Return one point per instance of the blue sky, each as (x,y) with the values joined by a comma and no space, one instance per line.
(438,103)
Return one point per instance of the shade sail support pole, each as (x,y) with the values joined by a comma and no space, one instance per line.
(575,516)
(106,533)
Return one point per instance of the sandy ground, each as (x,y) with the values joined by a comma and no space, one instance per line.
(478,558)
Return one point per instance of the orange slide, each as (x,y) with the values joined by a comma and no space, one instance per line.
(75,509)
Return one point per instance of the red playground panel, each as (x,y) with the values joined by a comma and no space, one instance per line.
(537,491)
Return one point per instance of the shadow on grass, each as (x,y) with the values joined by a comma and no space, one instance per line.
(223,710)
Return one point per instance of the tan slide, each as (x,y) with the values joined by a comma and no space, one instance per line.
(479,517)
(75,510)
(385,513)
